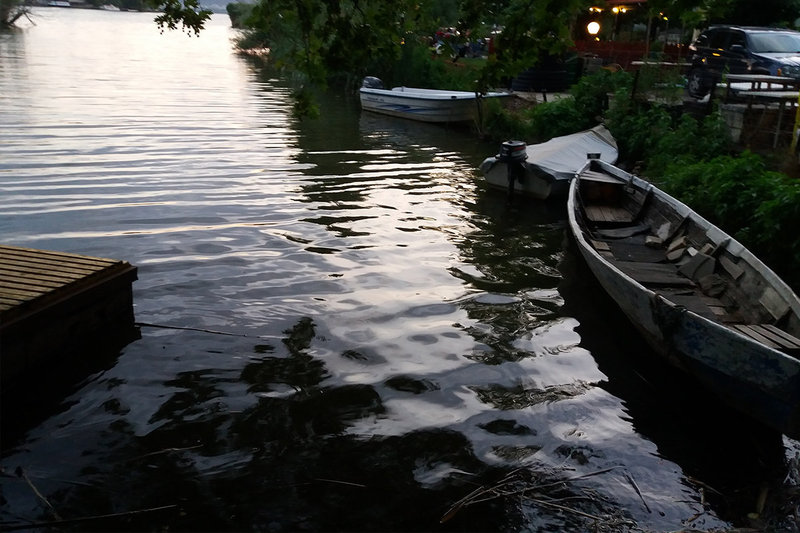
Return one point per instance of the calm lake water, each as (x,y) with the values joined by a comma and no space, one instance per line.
(341,327)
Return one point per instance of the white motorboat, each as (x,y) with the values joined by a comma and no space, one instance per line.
(427,105)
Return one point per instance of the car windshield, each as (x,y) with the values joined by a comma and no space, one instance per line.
(774,42)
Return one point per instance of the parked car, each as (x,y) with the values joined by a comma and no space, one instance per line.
(741,50)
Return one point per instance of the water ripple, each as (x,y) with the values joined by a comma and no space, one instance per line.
(336,299)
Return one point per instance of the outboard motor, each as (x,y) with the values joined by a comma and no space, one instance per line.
(371,82)
(513,154)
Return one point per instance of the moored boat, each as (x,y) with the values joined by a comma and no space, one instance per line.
(544,170)
(698,297)
(427,105)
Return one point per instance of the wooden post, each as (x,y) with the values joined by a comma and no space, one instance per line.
(793,147)
(711,91)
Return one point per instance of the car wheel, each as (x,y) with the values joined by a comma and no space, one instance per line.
(698,83)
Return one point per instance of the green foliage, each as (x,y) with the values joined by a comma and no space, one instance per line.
(689,140)
(187,13)
(503,124)
(763,13)
(238,12)
(251,41)
(532,124)
(585,108)
(538,123)
(775,229)
(591,92)
(414,68)
(305,105)
(697,13)
(323,38)
(660,135)
(557,118)
(442,13)
(758,206)
(532,32)
(727,189)
(655,83)
(637,126)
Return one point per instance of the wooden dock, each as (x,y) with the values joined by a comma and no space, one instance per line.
(56,307)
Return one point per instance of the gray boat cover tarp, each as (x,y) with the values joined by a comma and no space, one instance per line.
(562,157)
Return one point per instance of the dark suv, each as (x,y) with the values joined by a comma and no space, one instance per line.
(741,50)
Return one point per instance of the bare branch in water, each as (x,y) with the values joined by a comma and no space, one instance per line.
(57,523)
(21,473)
(501,489)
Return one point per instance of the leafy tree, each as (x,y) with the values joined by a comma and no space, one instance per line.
(187,13)
(694,13)
(700,13)
(238,13)
(317,40)
(764,13)
(11,11)
(320,38)
(444,13)
(532,32)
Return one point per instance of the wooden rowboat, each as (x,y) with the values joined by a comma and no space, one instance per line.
(698,297)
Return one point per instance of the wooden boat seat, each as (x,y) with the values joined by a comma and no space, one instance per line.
(653,275)
(634,250)
(608,214)
(705,306)
(611,208)
(771,336)
(623,232)
(600,177)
